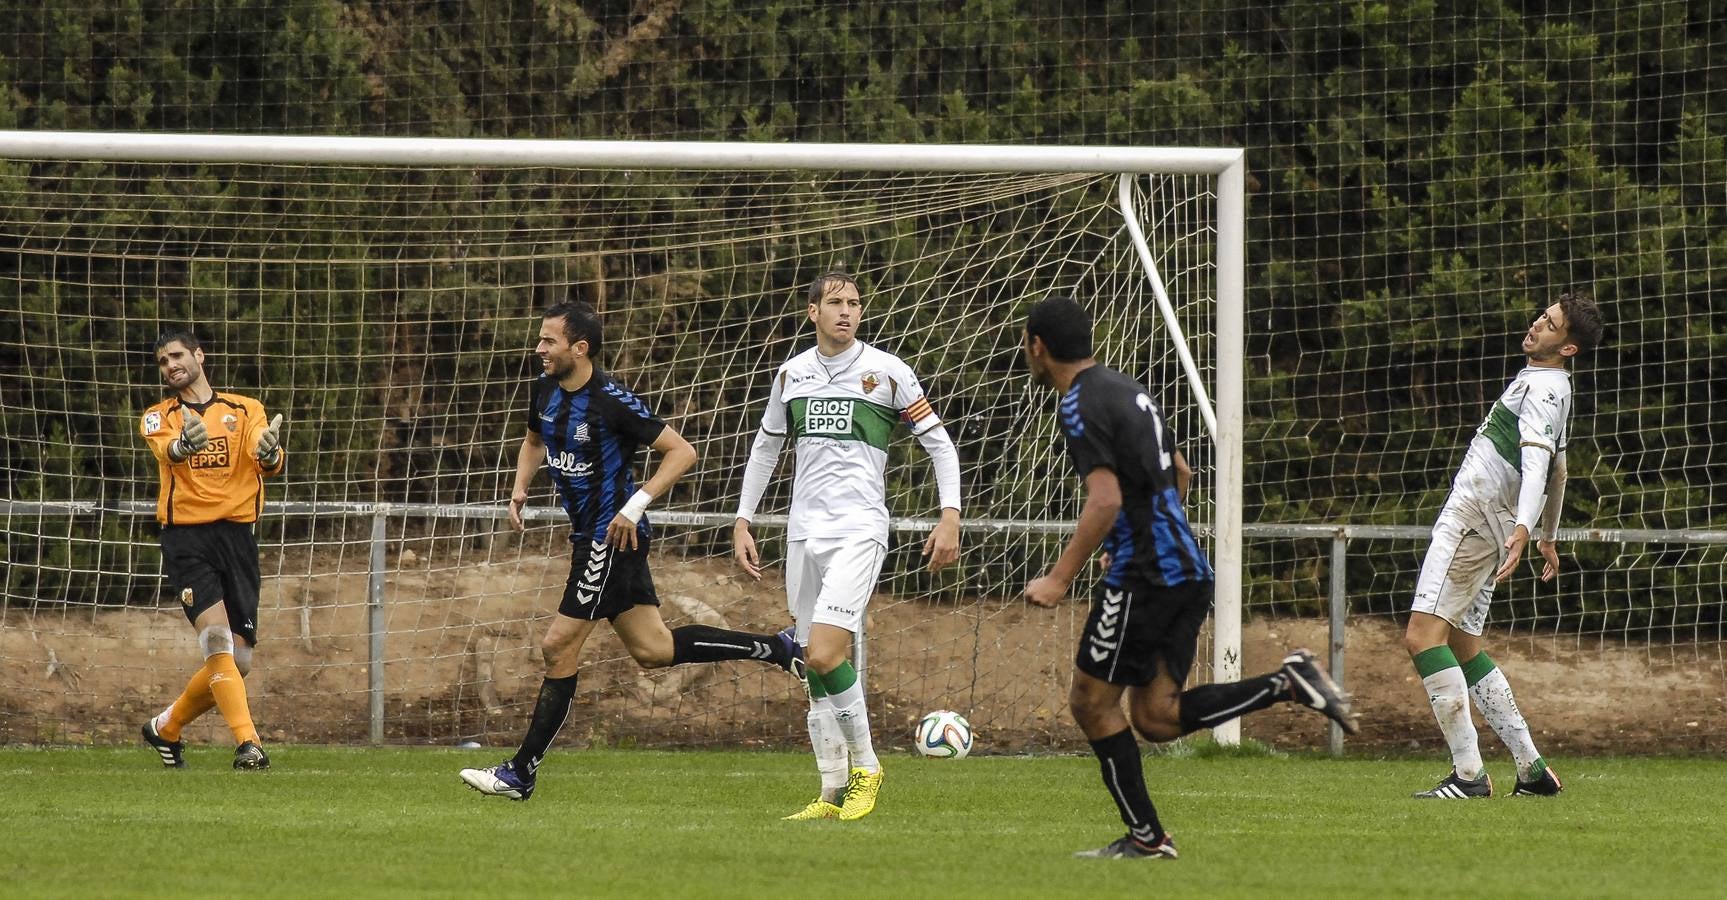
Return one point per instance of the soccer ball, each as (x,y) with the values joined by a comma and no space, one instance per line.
(944,734)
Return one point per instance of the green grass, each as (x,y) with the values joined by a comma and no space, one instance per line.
(341,822)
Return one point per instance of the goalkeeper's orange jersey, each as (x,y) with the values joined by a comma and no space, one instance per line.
(223,480)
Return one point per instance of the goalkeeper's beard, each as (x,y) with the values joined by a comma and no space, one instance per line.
(185,381)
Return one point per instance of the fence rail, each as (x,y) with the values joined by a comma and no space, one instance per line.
(380,513)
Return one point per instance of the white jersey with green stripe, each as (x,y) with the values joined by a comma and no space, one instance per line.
(1534,411)
(840,413)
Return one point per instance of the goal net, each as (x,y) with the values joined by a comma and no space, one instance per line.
(384,296)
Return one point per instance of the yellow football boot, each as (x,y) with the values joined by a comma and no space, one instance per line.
(861,790)
(818,809)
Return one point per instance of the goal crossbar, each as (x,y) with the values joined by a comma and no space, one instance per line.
(395,151)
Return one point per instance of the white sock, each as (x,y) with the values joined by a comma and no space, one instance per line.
(853,717)
(1448,693)
(161,718)
(1493,697)
(830,746)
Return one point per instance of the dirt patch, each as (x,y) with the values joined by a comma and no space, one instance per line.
(461,663)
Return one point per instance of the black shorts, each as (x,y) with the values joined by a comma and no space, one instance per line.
(1132,627)
(214,563)
(606,582)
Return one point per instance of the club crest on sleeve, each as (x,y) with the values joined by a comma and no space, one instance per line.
(152,422)
(870,382)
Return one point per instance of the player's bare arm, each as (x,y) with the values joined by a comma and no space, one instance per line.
(676,458)
(941,548)
(1548,544)
(527,466)
(1183,475)
(744,549)
(1514,545)
(1102,504)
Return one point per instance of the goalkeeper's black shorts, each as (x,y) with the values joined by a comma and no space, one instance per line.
(606,582)
(211,563)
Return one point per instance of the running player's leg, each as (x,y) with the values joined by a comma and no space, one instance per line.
(562,650)
(652,645)
(1096,706)
(590,594)
(1117,648)
(1163,716)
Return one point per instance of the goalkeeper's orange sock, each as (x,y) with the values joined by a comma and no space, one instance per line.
(230,693)
(193,702)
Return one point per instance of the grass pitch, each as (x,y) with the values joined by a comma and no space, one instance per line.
(343,822)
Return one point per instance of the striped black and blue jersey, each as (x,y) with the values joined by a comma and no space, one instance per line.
(591,436)
(1110,422)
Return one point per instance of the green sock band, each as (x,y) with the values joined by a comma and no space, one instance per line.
(842,677)
(1478,668)
(1435,659)
(813,682)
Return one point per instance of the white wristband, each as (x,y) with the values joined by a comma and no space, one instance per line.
(637,505)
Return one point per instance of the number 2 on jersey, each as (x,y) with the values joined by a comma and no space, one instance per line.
(1163,457)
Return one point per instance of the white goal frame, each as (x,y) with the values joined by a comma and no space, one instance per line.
(1226,165)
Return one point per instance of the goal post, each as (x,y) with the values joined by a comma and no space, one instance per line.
(380,292)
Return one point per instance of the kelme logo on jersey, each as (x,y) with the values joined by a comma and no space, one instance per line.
(828,417)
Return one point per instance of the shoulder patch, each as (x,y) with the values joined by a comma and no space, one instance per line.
(152,421)
(629,400)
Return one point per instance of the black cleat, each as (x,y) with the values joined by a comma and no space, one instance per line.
(1544,784)
(250,756)
(1311,687)
(794,653)
(499,781)
(172,752)
(1452,787)
(1129,847)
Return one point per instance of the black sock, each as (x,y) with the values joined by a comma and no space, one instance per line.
(1118,756)
(1211,705)
(705,643)
(549,714)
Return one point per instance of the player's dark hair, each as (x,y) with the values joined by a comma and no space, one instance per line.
(183,336)
(581,323)
(1582,320)
(829,281)
(1064,327)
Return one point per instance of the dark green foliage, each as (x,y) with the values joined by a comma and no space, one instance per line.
(1424,178)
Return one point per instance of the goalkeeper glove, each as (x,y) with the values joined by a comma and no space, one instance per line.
(193,437)
(269,450)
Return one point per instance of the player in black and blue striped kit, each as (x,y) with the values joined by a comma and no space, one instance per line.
(1148,607)
(587,428)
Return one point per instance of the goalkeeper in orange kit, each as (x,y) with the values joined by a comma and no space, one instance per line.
(213,450)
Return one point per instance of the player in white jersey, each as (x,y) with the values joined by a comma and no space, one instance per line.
(839,401)
(1512,478)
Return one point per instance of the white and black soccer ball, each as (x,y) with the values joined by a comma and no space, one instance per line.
(944,734)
